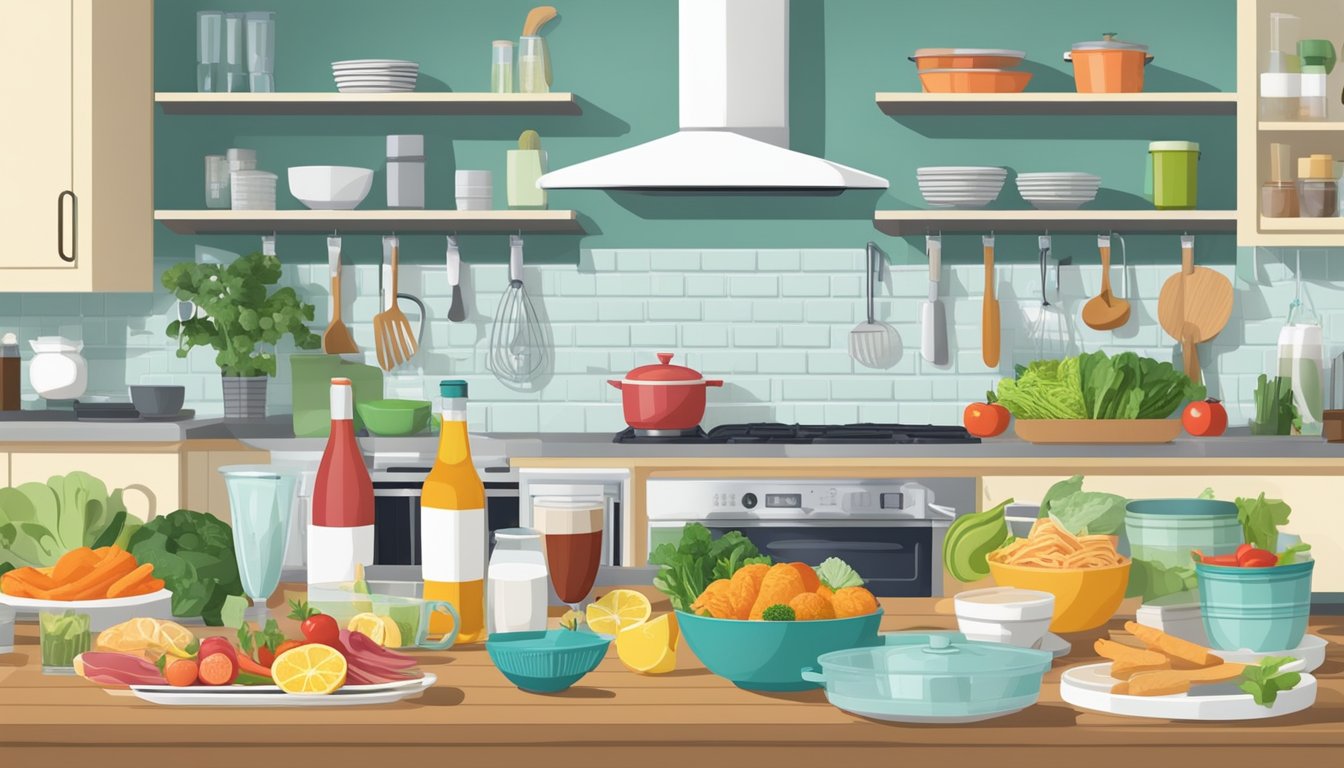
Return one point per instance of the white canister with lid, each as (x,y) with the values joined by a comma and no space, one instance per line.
(58,371)
(406,171)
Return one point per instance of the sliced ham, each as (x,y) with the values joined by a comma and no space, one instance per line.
(117,669)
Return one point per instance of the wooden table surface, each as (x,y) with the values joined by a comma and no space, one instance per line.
(614,716)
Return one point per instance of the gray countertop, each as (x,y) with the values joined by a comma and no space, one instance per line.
(276,434)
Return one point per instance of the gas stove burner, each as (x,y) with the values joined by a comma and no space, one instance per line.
(803,434)
(632,435)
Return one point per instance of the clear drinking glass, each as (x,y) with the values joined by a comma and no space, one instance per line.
(261,51)
(501,67)
(63,635)
(534,65)
(216,181)
(572,527)
(209,37)
(234,74)
(261,501)
(516,578)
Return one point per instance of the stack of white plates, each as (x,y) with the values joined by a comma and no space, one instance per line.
(960,186)
(1058,191)
(375,75)
(252,190)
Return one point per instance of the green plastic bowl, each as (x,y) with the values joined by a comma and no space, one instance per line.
(549,661)
(395,418)
(771,655)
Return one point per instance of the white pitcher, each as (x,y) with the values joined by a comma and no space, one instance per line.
(58,371)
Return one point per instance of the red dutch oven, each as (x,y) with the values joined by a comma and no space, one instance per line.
(664,396)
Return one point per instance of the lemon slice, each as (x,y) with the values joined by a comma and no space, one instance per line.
(650,648)
(380,629)
(618,610)
(309,669)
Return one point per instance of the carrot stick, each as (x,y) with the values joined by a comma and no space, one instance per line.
(103,576)
(126,584)
(73,564)
(33,578)
(14,586)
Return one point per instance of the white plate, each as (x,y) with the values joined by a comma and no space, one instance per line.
(374,88)
(272,696)
(962,169)
(102,613)
(1089,687)
(1310,652)
(1059,177)
(375,63)
(369,81)
(388,69)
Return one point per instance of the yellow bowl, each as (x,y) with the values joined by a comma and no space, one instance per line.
(1085,598)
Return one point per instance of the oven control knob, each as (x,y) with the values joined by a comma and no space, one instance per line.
(749,500)
(892,500)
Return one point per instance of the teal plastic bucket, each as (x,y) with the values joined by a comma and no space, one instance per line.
(1260,609)
(1165,530)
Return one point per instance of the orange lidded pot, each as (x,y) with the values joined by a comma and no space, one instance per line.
(1108,65)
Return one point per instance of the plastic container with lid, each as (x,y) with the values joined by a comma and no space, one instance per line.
(406,171)
(1108,65)
(1278,196)
(1317,190)
(517,596)
(1174,170)
(501,66)
(1164,531)
(1280,82)
(1318,59)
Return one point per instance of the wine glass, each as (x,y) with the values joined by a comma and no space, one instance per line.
(261,501)
(572,529)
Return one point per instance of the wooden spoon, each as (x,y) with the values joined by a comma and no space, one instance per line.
(1194,306)
(537,18)
(336,340)
(1105,312)
(989,318)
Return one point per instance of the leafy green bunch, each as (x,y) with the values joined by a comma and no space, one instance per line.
(39,522)
(1098,386)
(241,313)
(697,559)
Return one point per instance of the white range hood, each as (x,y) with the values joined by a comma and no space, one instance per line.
(733,77)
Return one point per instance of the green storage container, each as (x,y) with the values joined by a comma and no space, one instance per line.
(1261,609)
(1174,170)
(1165,530)
(311,390)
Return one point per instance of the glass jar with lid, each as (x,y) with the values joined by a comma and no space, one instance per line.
(1317,190)
(517,576)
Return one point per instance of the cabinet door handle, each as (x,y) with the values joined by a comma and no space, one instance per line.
(60,226)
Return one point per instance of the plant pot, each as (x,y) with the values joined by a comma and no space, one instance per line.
(244,397)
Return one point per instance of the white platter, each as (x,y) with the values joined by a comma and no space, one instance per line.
(272,696)
(1310,652)
(102,613)
(1089,687)
(374,63)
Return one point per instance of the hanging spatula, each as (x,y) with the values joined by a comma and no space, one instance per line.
(933,343)
(989,318)
(336,340)
(392,334)
(457,310)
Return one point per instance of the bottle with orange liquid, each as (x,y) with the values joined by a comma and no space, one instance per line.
(452,524)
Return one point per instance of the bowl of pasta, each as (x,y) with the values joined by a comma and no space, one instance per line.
(1086,574)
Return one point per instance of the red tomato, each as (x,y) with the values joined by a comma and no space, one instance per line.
(987,419)
(1205,419)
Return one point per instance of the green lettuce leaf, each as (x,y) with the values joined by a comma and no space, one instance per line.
(1260,520)
(836,574)
(39,522)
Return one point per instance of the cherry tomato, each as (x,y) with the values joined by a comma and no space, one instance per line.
(316,627)
(1251,557)
(987,419)
(1206,418)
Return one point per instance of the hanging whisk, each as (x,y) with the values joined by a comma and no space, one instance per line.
(519,350)
(1050,331)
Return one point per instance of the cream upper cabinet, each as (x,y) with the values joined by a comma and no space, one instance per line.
(152,481)
(77,143)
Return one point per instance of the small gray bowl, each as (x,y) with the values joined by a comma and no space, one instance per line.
(158,399)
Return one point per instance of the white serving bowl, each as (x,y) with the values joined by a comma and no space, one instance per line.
(1019,617)
(330,187)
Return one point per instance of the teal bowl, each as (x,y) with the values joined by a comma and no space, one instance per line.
(1259,609)
(394,418)
(546,662)
(1165,530)
(770,655)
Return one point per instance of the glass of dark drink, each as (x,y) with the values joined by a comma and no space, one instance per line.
(572,529)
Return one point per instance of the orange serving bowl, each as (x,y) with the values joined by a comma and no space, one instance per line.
(973,80)
(966,58)
(1085,598)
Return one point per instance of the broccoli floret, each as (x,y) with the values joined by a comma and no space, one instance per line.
(778,612)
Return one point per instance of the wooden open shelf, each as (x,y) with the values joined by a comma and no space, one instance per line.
(412,103)
(920,222)
(215,222)
(1058,103)
(1322,126)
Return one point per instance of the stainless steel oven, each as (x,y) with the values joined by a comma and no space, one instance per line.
(890,531)
(396,509)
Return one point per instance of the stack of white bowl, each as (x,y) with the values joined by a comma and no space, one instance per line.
(475,190)
(375,75)
(960,186)
(252,190)
(1058,191)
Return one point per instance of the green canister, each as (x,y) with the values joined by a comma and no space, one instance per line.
(1174,170)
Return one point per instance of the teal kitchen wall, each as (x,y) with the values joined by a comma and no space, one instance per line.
(759,290)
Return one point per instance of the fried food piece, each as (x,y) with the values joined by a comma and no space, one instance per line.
(825,592)
(809,606)
(853,601)
(1184,654)
(746,585)
(716,600)
(1126,670)
(1127,661)
(781,584)
(809,574)
(1170,681)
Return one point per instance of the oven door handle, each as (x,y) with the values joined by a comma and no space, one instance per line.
(829,545)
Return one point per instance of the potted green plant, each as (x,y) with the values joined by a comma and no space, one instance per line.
(238,315)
